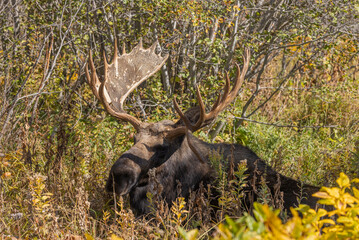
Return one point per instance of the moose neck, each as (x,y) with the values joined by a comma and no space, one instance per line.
(184,168)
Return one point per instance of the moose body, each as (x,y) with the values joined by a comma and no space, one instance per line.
(175,163)
(168,147)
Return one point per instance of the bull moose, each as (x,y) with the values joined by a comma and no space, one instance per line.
(177,156)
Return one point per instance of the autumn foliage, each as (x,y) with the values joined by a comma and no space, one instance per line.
(298,110)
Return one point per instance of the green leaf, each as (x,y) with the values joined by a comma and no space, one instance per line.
(232,224)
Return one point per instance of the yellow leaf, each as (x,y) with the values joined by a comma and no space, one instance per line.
(340,205)
(343,181)
(328,201)
(88,237)
(114,237)
(327,221)
(44,198)
(321,195)
(334,212)
(321,212)
(356,192)
(344,219)
(347,198)
(333,192)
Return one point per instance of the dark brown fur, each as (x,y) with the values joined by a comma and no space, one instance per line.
(174,162)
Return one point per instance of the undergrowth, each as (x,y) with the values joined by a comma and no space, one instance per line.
(55,157)
(341,222)
(53,176)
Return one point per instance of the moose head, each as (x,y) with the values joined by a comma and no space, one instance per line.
(167,146)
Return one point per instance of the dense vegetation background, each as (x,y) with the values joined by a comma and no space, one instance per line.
(298,109)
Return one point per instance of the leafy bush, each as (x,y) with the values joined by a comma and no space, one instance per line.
(341,222)
(57,145)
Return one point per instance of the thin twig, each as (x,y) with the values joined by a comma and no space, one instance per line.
(286,126)
(37,93)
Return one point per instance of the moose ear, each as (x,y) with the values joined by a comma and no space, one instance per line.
(193,114)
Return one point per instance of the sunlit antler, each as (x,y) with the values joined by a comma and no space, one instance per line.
(221,103)
(122,76)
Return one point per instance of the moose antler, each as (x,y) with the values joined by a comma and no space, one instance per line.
(122,76)
(221,103)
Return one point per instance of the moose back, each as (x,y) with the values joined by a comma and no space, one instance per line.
(169,147)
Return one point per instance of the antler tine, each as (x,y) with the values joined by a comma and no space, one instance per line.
(202,109)
(121,116)
(115,50)
(183,130)
(240,75)
(88,77)
(153,47)
(228,97)
(221,102)
(121,77)
(123,48)
(128,71)
(180,113)
(227,86)
(225,94)
(215,105)
(93,79)
(105,63)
